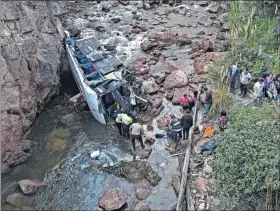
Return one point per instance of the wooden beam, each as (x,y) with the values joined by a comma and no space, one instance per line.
(187,157)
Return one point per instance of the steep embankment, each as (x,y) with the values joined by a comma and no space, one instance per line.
(30,65)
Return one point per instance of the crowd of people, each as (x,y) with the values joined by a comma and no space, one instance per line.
(267,85)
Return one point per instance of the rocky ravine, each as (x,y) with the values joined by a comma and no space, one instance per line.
(30,65)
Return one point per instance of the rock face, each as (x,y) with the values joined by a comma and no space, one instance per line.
(175,79)
(31,186)
(30,65)
(112,199)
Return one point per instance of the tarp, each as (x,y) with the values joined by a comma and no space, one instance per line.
(208,132)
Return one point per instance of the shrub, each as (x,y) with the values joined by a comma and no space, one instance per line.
(248,154)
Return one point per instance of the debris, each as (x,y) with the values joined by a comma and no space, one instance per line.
(200,185)
(31,186)
(208,132)
(95,154)
(209,145)
(84,165)
(112,199)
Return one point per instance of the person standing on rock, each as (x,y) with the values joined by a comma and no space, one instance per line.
(186,123)
(245,78)
(184,101)
(124,121)
(176,128)
(208,100)
(232,74)
(136,131)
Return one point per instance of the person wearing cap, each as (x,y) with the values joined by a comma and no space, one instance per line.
(186,123)
(258,90)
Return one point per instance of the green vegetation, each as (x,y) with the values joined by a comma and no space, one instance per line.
(247,158)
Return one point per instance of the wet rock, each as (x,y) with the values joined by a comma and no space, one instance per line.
(150,87)
(143,193)
(169,95)
(148,45)
(179,92)
(31,186)
(207,46)
(200,185)
(112,199)
(145,207)
(205,21)
(100,29)
(214,8)
(202,3)
(175,182)
(183,40)
(175,79)
(124,2)
(115,20)
(16,199)
(105,9)
(223,18)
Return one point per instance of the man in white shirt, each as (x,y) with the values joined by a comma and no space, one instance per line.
(245,78)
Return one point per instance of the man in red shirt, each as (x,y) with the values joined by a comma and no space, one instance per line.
(184,101)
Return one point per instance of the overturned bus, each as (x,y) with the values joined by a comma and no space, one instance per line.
(98,74)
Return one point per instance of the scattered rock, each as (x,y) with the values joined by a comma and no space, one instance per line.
(200,185)
(202,3)
(207,46)
(105,9)
(100,29)
(146,119)
(199,68)
(150,87)
(161,124)
(175,79)
(179,92)
(115,20)
(31,186)
(201,206)
(200,32)
(169,95)
(145,207)
(221,36)
(143,193)
(175,182)
(150,128)
(205,21)
(146,5)
(225,27)
(124,2)
(223,18)
(195,47)
(143,153)
(183,40)
(157,102)
(214,9)
(112,199)
(167,38)
(148,45)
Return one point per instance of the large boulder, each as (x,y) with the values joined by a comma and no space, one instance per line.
(112,199)
(150,87)
(179,92)
(31,186)
(175,79)
(199,67)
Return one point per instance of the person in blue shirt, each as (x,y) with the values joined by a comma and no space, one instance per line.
(232,74)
